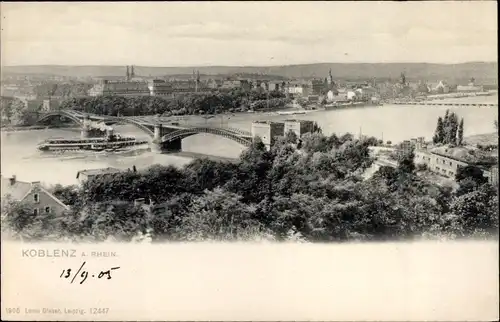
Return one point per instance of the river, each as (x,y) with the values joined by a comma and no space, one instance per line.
(20,157)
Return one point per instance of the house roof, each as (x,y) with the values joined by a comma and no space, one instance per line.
(18,190)
(464,154)
(95,172)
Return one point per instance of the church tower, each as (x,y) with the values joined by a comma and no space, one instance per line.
(330,78)
(132,74)
(128,74)
(197,80)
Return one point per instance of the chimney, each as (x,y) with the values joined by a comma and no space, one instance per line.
(12,180)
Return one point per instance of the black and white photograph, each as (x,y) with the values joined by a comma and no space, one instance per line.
(311,123)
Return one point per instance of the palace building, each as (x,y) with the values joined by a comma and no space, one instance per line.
(156,87)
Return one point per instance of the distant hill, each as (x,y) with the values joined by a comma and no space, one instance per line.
(485,72)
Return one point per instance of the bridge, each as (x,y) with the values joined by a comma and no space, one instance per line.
(447,104)
(166,135)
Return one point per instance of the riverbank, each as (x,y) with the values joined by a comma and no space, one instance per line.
(482,139)
(35,128)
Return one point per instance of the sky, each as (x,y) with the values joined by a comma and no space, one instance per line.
(246,33)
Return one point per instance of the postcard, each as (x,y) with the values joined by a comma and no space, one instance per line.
(249,161)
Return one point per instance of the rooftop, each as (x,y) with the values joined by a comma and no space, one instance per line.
(267,122)
(15,188)
(299,121)
(94,172)
(464,154)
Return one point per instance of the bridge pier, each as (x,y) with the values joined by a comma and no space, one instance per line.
(86,126)
(157,132)
(157,147)
(84,133)
(166,147)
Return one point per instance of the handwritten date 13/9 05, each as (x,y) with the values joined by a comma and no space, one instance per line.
(67,273)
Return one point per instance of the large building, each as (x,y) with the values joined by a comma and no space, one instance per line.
(446,161)
(131,86)
(33,194)
(269,131)
(120,88)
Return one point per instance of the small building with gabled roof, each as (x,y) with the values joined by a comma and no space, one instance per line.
(39,199)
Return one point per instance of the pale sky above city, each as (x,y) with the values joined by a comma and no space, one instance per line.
(243,34)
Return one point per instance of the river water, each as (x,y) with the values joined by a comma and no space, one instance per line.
(20,157)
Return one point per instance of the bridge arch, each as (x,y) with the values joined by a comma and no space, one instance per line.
(68,115)
(78,117)
(226,133)
(140,126)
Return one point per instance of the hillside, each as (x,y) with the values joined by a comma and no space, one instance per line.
(481,71)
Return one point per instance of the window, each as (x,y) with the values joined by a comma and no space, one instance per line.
(36,197)
(47,210)
(35,212)
(451,163)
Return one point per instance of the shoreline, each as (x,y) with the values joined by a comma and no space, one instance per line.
(35,128)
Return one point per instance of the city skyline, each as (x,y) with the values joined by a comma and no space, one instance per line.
(247,34)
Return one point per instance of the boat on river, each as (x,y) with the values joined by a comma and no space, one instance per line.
(351,104)
(291,112)
(109,144)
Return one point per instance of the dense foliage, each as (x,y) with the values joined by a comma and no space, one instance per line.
(182,104)
(311,190)
(13,111)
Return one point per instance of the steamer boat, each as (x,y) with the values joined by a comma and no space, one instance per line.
(111,142)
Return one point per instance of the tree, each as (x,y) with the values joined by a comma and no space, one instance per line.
(470,172)
(316,128)
(67,194)
(315,142)
(439,133)
(469,178)
(451,129)
(302,102)
(19,221)
(477,211)
(406,162)
(460,135)
(219,215)
(291,137)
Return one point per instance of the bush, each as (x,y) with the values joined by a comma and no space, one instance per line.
(421,167)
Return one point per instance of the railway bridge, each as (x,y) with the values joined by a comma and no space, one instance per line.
(166,136)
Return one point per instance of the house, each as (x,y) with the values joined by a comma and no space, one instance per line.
(470,88)
(84,175)
(297,88)
(446,160)
(32,193)
(442,88)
